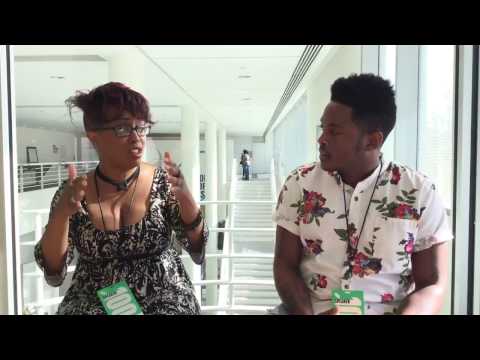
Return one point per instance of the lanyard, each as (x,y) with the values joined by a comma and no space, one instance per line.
(351,250)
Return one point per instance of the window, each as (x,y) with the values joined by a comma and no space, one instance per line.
(436,108)
(436,117)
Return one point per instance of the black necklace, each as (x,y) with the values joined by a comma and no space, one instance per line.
(121,185)
(129,206)
(351,250)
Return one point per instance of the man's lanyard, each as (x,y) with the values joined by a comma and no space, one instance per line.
(351,250)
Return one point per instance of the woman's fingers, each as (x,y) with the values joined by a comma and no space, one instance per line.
(79,188)
(167,160)
(173,171)
(167,157)
(175,181)
(72,172)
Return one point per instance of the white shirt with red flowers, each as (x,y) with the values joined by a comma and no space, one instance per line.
(406,215)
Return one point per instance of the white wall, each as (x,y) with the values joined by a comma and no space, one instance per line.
(346,61)
(44,140)
(261,161)
(290,142)
(295,134)
(87,151)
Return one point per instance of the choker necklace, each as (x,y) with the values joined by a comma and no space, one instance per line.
(121,185)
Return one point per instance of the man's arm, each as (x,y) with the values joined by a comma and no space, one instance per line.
(430,273)
(286,270)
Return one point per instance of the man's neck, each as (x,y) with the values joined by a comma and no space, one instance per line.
(354,175)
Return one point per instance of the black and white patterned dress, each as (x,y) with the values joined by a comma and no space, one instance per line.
(142,254)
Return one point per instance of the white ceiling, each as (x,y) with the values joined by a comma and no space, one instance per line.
(174,75)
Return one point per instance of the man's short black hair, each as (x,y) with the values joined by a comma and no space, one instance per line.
(371,98)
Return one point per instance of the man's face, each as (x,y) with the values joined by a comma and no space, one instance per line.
(342,140)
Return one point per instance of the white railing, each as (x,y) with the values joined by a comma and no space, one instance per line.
(273,180)
(226,282)
(225,294)
(39,176)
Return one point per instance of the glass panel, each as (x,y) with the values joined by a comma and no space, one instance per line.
(388,70)
(47,140)
(436,121)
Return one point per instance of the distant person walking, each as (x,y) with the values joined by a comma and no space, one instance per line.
(245,161)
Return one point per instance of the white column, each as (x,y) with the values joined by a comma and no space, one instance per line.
(190,150)
(129,69)
(211,182)
(222,170)
(230,156)
(314,113)
(190,159)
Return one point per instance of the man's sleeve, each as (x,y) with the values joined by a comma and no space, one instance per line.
(285,214)
(434,223)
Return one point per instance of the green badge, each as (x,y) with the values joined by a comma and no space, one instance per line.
(348,302)
(118,299)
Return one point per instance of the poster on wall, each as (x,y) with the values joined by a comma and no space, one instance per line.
(203,192)
(203,195)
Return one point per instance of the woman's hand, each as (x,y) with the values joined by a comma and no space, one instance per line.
(175,177)
(75,190)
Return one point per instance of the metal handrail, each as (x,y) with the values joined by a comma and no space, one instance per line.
(31,176)
(226,281)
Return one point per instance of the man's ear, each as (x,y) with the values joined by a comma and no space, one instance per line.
(375,140)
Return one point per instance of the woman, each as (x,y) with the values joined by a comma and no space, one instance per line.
(120,217)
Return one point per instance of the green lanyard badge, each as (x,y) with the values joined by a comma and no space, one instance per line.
(348,302)
(118,299)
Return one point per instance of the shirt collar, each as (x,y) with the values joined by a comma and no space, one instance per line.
(370,180)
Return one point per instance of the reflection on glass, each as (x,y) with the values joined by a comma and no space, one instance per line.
(436,117)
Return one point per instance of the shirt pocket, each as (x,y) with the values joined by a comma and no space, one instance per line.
(393,241)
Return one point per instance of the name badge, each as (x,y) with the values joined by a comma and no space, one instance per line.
(118,299)
(348,302)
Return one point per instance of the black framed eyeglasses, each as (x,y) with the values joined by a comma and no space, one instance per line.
(126,130)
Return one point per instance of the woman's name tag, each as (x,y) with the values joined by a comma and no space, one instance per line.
(118,299)
(348,302)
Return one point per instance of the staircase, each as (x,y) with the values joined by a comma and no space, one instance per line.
(258,243)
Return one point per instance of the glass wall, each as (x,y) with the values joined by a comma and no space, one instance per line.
(436,107)
(436,116)
(290,134)
(48,139)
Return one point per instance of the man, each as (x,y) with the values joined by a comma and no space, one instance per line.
(354,221)
(245,162)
